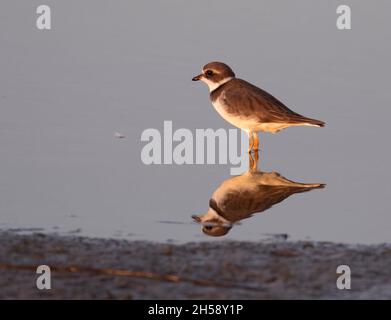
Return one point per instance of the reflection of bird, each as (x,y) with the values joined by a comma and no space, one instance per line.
(240,197)
(247,106)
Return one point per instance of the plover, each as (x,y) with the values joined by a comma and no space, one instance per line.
(240,197)
(247,106)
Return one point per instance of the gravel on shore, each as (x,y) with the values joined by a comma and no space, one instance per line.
(90,268)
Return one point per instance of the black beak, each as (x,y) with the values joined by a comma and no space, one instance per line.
(196,78)
(196,218)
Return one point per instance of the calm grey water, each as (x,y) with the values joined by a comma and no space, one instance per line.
(127,66)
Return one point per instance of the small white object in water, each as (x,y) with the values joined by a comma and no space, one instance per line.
(119,135)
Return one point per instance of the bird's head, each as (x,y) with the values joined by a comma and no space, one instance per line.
(214,74)
(213,225)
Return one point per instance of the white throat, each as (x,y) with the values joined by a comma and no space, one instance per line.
(214,85)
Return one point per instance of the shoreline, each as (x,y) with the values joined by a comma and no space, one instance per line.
(94,268)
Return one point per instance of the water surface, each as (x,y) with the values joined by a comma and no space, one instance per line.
(127,66)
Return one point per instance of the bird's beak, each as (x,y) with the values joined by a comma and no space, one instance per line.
(196,78)
(196,218)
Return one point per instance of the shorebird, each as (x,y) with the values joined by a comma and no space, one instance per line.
(247,106)
(240,197)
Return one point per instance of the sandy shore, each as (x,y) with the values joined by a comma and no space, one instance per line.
(84,268)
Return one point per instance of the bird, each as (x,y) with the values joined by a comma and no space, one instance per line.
(239,197)
(248,107)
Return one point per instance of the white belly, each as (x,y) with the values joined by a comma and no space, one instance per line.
(252,124)
(245,123)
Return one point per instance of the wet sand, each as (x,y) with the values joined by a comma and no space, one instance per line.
(87,268)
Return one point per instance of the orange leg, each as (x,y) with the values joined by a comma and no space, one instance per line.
(256,158)
(250,142)
(255,154)
(253,162)
(256,142)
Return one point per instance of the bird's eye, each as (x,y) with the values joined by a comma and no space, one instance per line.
(209,72)
(208,227)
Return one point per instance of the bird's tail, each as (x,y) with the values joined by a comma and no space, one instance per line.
(299,120)
(314,122)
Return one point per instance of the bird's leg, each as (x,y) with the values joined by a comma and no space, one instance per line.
(250,142)
(253,162)
(255,151)
(256,142)
(256,158)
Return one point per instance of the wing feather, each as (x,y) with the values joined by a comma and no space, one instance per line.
(244,99)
